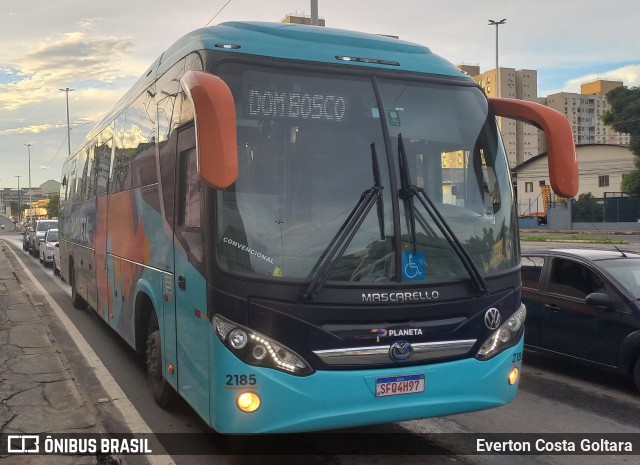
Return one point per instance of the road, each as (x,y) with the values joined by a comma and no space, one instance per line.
(554,396)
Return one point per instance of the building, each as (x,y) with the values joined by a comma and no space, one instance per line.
(520,139)
(296,18)
(584,112)
(601,168)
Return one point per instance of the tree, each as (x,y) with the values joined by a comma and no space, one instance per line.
(53,206)
(587,210)
(624,116)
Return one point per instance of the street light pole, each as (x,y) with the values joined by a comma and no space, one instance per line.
(314,12)
(19,200)
(496,24)
(66,90)
(30,192)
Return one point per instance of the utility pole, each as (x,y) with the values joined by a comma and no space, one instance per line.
(19,200)
(66,90)
(496,24)
(314,12)
(30,191)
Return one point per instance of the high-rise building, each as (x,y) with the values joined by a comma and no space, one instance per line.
(584,112)
(520,139)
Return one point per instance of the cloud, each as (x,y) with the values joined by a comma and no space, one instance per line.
(35,129)
(67,59)
(629,75)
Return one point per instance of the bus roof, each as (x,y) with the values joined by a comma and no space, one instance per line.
(313,43)
(296,42)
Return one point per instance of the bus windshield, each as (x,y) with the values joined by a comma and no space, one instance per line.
(305,147)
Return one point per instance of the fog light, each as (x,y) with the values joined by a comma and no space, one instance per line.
(514,374)
(248,402)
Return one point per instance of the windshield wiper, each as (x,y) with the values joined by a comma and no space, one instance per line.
(408,191)
(347,231)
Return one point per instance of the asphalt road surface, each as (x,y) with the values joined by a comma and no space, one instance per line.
(555,396)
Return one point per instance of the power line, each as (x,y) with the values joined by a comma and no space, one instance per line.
(55,156)
(219,11)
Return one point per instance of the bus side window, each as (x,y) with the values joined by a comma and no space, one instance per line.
(120,163)
(189,203)
(102,164)
(189,213)
(82,168)
(91,172)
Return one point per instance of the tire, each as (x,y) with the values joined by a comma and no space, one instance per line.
(76,300)
(636,374)
(56,270)
(162,392)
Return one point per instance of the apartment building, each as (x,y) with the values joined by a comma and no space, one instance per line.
(520,139)
(584,112)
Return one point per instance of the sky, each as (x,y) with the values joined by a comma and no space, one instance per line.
(101,48)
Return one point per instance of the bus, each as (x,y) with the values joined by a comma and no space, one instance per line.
(306,228)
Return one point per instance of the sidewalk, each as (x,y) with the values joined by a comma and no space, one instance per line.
(37,389)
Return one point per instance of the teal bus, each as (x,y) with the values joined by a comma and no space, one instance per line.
(306,228)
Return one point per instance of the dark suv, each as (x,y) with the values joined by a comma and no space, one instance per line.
(37,233)
(584,304)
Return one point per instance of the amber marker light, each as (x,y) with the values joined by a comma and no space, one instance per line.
(170,368)
(248,402)
(514,374)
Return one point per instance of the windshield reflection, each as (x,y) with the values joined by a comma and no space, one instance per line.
(305,158)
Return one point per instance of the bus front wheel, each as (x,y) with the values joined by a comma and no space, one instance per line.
(164,395)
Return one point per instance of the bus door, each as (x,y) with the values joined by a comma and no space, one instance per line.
(193,329)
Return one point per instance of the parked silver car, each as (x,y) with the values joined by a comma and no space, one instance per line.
(47,246)
(37,232)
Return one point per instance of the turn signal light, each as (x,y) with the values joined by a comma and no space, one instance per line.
(514,374)
(248,402)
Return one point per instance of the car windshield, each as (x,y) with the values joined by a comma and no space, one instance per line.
(52,236)
(305,147)
(45,225)
(626,271)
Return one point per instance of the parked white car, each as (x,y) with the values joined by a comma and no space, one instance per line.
(56,259)
(47,246)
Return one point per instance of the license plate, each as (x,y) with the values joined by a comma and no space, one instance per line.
(398,385)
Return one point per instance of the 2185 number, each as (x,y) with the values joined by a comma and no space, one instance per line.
(241,380)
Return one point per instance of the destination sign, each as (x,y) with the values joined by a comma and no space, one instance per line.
(297,105)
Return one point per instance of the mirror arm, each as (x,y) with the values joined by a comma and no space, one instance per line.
(561,150)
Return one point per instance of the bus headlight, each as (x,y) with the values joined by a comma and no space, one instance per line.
(257,349)
(505,336)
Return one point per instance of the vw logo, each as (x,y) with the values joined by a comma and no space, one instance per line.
(400,351)
(492,318)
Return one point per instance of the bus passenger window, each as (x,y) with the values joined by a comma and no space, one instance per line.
(189,213)
(189,206)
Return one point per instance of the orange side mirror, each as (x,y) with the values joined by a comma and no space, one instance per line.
(215,124)
(561,151)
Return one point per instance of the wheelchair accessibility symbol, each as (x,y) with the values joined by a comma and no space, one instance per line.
(413,266)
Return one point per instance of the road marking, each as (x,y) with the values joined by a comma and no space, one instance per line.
(130,415)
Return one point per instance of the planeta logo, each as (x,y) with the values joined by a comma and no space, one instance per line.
(381,332)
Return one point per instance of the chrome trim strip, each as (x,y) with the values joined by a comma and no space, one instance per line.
(375,355)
